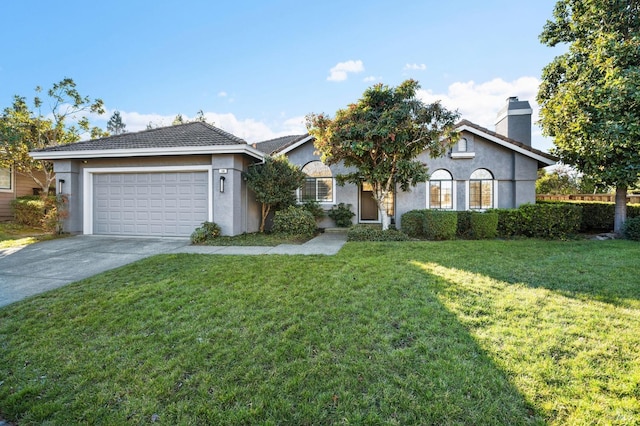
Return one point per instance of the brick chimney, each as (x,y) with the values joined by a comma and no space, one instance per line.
(514,120)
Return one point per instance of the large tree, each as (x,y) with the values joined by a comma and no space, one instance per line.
(380,136)
(58,119)
(274,183)
(590,96)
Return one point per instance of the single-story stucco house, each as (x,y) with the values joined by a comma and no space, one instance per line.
(485,169)
(167,181)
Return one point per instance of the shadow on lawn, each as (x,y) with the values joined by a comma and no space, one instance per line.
(604,271)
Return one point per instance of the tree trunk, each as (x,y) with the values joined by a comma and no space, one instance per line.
(382,210)
(265,213)
(384,217)
(621,209)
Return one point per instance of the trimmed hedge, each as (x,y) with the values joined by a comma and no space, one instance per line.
(412,223)
(540,221)
(631,228)
(440,225)
(597,216)
(483,225)
(374,233)
(464,224)
(294,220)
(430,224)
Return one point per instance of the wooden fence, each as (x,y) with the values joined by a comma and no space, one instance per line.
(605,198)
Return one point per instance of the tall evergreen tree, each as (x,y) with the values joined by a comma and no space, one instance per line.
(115,125)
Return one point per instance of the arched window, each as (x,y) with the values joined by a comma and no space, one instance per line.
(318,186)
(481,193)
(441,190)
(462,145)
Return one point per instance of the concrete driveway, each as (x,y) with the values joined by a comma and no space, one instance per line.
(47,265)
(44,266)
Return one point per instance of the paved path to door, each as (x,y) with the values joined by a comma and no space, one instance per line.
(43,266)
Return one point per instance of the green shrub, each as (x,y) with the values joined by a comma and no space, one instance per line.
(597,216)
(33,210)
(464,224)
(374,233)
(412,223)
(208,231)
(631,228)
(542,220)
(294,220)
(341,215)
(314,208)
(483,225)
(440,225)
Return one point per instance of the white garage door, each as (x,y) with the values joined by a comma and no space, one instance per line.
(156,204)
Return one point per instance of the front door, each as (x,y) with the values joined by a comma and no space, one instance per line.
(369,208)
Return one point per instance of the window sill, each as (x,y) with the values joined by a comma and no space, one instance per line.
(462,155)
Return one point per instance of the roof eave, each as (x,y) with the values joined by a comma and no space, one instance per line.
(149,152)
(287,149)
(545,160)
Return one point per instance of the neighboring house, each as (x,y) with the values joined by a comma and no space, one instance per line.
(167,181)
(484,170)
(13,185)
(158,182)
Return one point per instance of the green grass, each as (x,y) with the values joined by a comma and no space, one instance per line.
(457,332)
(256,239)
(14,235)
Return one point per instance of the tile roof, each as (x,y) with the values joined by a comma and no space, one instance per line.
(193,134)
(273,145)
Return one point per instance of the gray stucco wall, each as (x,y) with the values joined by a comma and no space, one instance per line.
(515,173)
(347,194)
(234,209)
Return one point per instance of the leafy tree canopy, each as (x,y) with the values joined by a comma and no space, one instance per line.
(274,183)
(59,118)
(380,137)
(590,96)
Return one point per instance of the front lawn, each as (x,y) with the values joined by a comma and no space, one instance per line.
(456,332)
(15,235)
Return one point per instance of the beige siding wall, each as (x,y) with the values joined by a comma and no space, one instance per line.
(22,185)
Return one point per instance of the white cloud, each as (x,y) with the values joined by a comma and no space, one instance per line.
(248,129)
(340,71)
(480,102)
(222,94)
(415,67)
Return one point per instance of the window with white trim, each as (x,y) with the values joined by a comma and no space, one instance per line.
(441,190)
(462,145)
(6,181)
(318,186)
(481,194)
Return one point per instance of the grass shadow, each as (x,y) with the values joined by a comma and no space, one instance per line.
(604,271)
(574,358)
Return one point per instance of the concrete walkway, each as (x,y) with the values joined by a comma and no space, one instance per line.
(47,265)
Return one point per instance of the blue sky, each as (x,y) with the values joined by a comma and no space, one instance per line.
(256,68)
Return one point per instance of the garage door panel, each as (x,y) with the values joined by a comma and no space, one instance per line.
(157,204)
